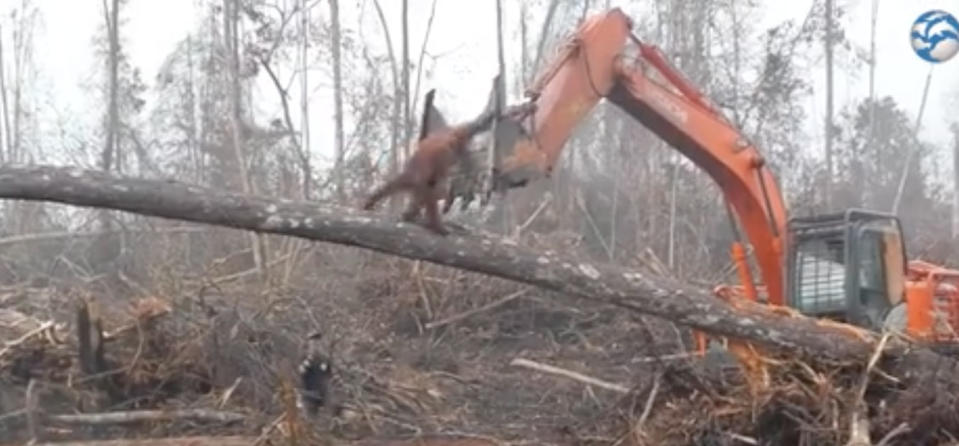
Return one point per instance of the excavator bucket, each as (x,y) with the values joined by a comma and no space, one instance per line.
(478,176)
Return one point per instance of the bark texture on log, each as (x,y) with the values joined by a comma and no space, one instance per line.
(139,416)
(251,441)
(180,441)
(478,252)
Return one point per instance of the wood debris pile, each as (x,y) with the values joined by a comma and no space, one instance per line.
(709,402)
(513,366)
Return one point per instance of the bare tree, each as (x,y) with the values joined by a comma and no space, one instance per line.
(395,115)
(111,15)
(111,12)
(912,151)
(407,124)
(872,78)
(550,13)
(231,20)
(829,102)
(419,61)
(335,44)
(305,98)
(8,142)
(523,56)
(22,71)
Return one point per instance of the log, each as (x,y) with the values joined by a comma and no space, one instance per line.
(476,251)
(253,441)
(181,441)
(139,416)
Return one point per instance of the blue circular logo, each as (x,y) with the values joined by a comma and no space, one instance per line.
(935,36)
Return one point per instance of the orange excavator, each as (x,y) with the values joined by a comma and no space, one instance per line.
(848,266)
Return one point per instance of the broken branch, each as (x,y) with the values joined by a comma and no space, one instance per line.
(576,376)
(136,416)
(475,311)
(10,345)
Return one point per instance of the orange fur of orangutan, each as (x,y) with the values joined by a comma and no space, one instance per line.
(424,174)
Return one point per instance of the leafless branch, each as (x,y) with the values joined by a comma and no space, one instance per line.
(576,376)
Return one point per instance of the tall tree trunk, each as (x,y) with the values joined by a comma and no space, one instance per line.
(872,92)
(407,125)
(305,98)
(422,55)
(550,13)
(914,150)
(829,104)
(338,100)
(19,48)
(3,97)
(395,115)
(193,137)
(500,101)
(523,50)
(5,142)
(104,248)
(231,17)
(111,12)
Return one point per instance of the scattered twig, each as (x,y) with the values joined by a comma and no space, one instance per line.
(539,209)
(115,334)
(136,416)
(670,357)
(742,438)
(649,405)
(130,282)
(592,224)
(31,411)
(266,431)
(13,414)
(520,362)
(864,380)
(417,274)
(229,391)
(241,274)
(902,428)
(859,423)
(14,343)
(475,311)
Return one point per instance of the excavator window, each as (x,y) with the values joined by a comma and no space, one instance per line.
(846,266)
(870,264)
(872,292)
(820,276)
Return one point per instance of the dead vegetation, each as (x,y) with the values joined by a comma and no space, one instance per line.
(419,352)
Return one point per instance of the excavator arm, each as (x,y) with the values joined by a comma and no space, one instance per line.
(592,65)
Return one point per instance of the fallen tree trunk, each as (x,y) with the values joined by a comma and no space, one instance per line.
(180,441)
(487,254)
(253,441)
(139,416)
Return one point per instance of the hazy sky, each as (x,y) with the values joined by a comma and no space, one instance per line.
(464,31)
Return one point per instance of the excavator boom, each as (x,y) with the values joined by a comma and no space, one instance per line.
(592,65)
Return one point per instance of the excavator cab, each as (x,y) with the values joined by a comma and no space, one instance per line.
(848,266)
